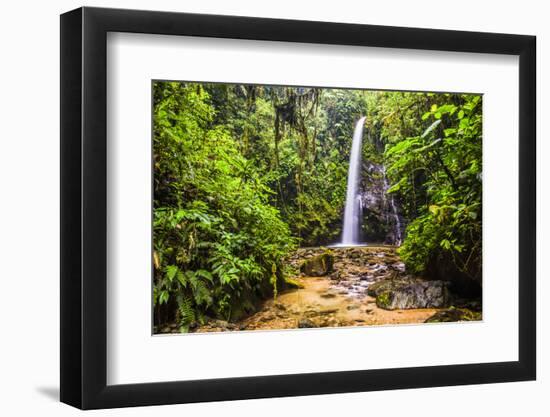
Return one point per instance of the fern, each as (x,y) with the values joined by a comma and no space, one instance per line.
(186,312)
(201,293)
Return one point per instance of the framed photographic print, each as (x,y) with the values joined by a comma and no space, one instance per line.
(257,208)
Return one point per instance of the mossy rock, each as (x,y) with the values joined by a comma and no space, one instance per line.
(378,287)
(384,300)
(393,294)
(318,266)
(454,314)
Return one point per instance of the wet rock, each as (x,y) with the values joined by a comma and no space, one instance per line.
(279,306)
(353,307)
(398,266)
(379,269)
(268,317)
(454,314)
(318,266)
(220,323)
(306,324)
(333,322)
(328,295)
(310,313)
(394,294)
(336,275)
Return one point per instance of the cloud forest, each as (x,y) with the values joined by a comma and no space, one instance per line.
(285,207)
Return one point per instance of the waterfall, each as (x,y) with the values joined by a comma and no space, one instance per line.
(397,221)
(351,229)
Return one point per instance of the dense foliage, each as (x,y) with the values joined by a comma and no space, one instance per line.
(435,167)
(217,240)
(243,174)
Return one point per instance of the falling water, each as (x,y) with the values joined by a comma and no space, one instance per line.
(352,213)
(397,221)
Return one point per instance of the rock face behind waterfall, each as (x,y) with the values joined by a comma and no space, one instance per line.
(380,220)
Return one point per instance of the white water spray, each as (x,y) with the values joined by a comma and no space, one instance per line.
(397,221)
(351,229)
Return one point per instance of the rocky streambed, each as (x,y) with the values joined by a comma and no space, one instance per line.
(357,286)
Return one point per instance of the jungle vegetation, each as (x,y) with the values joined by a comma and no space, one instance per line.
(244,174)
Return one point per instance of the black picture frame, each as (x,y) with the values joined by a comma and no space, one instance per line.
(84,207)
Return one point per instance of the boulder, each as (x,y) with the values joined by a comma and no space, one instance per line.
(409,293)
(306,324)
(318,266)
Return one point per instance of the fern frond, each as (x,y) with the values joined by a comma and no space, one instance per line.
(185,310)
(201,293)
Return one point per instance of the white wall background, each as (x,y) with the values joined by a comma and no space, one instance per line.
(29,225)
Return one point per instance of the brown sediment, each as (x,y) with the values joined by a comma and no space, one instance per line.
(337,300)
(312,303)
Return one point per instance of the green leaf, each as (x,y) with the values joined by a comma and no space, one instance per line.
(171,271)
(163,297)
(182,279)
(186,311)
(447,108)
(205,274)
(449,132)
(445,244)
(428,146)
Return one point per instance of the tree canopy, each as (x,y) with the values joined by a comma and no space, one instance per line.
(244,174)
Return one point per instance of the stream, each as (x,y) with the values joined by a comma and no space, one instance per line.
(336,300)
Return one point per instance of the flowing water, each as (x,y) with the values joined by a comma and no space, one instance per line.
(338,300)
(351,229)
(397,220)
